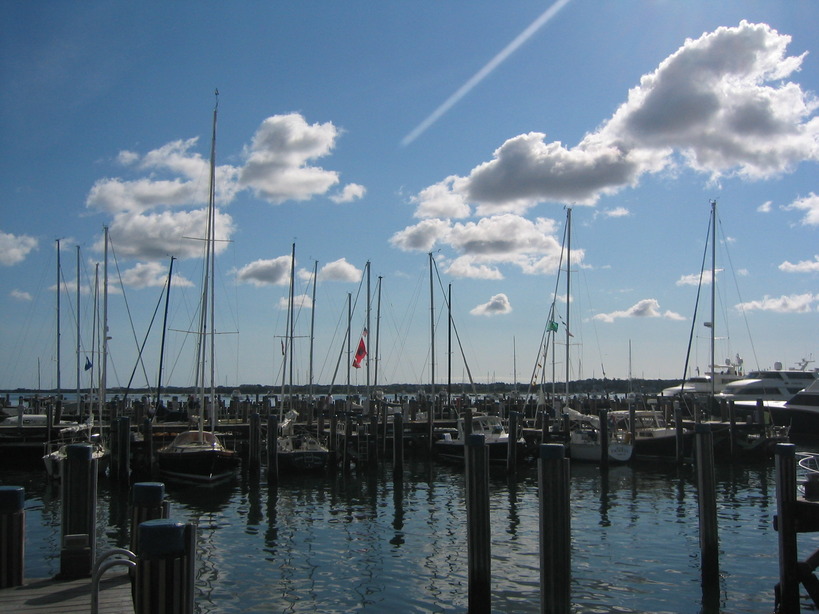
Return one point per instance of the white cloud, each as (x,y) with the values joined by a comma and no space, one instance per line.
(646,308)
(20,295)
(277,168)
(151,275)
(694,279)
(422,236)
(805,266)
(796,303)
(465,267)
(497,305)
(155,236)
(616,212)
(720,105)
(810,205)
(300,301)
(274,271)
(14,248)
(482,245)
(340,270)
(350,192)
(440,200)
(186,184)
(764,207)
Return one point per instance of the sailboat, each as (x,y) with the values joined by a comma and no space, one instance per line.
(56,452)
(198,456)
(585,441)
(296,449)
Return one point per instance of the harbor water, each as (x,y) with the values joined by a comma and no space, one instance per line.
(365,542)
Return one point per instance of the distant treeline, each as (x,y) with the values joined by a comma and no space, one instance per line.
(596,387)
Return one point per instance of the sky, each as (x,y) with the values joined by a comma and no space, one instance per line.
(369,132)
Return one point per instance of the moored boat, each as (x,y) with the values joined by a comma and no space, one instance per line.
(299,451)
(199,457)
(496,438)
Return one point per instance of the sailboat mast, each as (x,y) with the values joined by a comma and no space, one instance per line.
(59,390)
(568,291)
(377,332)
(313,326)
(79,405)
(431,337)
(367,357)
(713,289)
(291,325)
(104,359)
(162,342)
(212,267)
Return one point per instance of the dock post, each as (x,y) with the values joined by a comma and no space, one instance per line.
(255,444)
(79,500)
(512,450)
(678,426)
(148,445)
(165,567)
(479,555)
(272,449)
(554,529)
(147,503)
(398,446)
(706,489)
(604,438)
(788,597)
(12,535)
(732,421)
(122,433)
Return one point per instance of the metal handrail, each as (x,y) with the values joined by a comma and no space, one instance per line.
(102,565)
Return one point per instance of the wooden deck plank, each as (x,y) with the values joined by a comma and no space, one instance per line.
(69,597)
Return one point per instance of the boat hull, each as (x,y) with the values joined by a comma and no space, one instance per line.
(202,467)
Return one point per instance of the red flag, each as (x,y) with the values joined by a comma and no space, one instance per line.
(361,352)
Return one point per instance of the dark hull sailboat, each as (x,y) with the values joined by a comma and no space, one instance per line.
(197,457)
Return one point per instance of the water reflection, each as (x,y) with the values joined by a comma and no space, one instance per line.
(369,542)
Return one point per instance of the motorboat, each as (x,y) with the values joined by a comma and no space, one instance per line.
(450,446)
(775,384)
(585,440)
(800,412)
(653,437)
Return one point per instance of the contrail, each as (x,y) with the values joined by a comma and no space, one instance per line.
(486,70)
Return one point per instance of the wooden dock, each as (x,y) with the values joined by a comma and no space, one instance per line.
(70,597)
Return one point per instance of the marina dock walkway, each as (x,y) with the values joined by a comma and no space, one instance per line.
(69,597)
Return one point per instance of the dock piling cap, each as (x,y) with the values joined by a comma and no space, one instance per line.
(12,499)
(147,493)
(162,538)
(79,452)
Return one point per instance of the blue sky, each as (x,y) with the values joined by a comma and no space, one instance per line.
(381,132)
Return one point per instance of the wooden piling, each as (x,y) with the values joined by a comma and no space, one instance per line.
(512,450)
(479,555)
(707,502)
(604,438)
(272,449)
(398,446)
(554,529)
(122,467)
(165,568)
(255,444)
(147,503)
(788,597)
(678,430)
(78,523)
(148,445)
(12,536)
